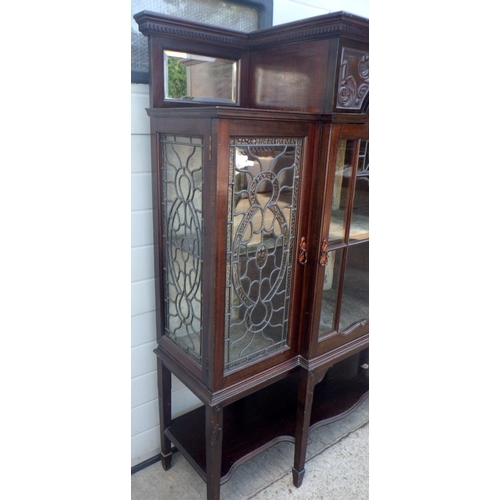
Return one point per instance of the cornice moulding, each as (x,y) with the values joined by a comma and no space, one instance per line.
(325,26)
(151,23)
(336,24)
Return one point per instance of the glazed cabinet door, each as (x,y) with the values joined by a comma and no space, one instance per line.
(266,184)
(339,295)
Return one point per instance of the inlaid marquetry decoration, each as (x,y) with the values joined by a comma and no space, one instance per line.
(182,180)
(262,211)
(353,79)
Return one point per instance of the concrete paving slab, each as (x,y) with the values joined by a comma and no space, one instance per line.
(340,472)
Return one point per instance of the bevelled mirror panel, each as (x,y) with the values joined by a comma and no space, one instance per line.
(192,77)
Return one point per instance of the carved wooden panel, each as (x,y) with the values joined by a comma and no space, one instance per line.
(353,79)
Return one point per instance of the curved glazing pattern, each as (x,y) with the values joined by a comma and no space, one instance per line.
(182,219)
(263,191)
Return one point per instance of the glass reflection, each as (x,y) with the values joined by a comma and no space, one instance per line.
(192,77)
(359,218)
(343,172)
(354,306)
(330,288)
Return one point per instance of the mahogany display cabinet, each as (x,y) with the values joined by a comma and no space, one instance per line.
(260,170)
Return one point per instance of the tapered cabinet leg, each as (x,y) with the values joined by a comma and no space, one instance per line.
(304,407)
(213,436)
(165,405)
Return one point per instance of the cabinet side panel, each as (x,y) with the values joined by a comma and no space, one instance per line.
(290,77)
(182,235)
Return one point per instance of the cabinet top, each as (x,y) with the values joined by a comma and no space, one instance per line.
(319,27)
(317,65)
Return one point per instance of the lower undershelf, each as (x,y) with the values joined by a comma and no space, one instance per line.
(265,418)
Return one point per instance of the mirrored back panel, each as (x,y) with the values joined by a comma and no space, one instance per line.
(192,77)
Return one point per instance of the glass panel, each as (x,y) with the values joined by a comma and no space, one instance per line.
(359,219)
(343,172)
(355,294)
(330,288)
(191,77)
(182,220)
(263,191)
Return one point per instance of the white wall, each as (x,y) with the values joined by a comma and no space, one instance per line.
(145,420)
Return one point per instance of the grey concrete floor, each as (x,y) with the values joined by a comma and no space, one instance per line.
(336,469)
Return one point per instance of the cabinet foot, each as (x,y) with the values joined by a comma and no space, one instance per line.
(166,461)
(298,477)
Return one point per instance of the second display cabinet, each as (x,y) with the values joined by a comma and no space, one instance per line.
(260,205)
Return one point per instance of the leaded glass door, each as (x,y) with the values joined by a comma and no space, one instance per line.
(263,197)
